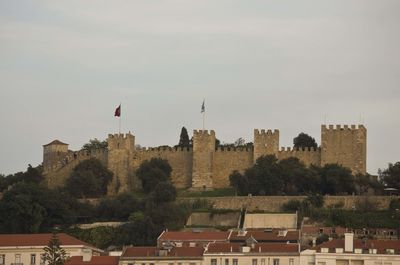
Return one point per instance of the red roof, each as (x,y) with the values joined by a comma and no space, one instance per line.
(55,142)
(19,240)
(262,235)
(257,248)
(194,236)
(96,260)
(154,252)
(325,230)
(379,245)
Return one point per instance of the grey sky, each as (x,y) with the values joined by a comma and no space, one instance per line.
(66,65)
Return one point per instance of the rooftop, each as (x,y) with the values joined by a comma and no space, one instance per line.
(152,252)
(194,236)
(381,246)
(95,260)
(256,248)
(55,142)
(39,240)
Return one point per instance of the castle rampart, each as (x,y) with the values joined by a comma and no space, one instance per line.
(205,166)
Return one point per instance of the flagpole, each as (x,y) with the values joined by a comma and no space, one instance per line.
(119,119)
(204,115)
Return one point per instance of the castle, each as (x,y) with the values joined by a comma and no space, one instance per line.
(205,166)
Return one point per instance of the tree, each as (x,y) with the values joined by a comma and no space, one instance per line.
(95,144)
(89,178)
(184,140)
(391,176)
(164,192)
(336,179)
(153,171)
(54,254)
(239,182)
(303,140)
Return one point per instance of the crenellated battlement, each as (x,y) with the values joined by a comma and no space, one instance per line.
(305,149)
(233,149)
(203,133)
(257,132)
(166,149)
(331,127)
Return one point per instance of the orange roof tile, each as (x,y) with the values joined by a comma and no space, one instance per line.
(261,248)
(379,245)
(261,235)
(194,236)
(96,260)
(153,252)
(11,240)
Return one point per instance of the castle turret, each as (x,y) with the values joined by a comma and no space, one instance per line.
(53,153)
(120,151)
(203,155)
(345,145)
(265,143)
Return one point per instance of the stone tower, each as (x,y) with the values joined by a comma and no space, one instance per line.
(203,156)
(345,145)
(53,153)
(120,153)
(265,143)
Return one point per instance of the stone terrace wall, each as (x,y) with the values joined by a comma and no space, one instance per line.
(274,203)
(226,160)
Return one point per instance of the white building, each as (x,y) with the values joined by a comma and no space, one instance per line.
(353,252)
(28,249)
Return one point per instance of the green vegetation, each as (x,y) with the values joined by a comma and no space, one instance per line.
(207,193)
(303,141)
(291,177)
(152,172)
(89,178)
(184,140)
(391,176)
(54,254)
(95,144)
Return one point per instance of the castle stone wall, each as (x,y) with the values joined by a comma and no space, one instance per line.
(226,160)
(203,156)
(308,156)
(180,160)
(204,166)
(345,145)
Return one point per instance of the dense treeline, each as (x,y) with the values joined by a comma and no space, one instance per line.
(291,177)
(30,207)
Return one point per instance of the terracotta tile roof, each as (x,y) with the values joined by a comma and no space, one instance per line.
(194,236)
(96,260)
(19,240)
(265,236)
(258,248)
(326,230)
(55,142)
(379,245)
(143,252)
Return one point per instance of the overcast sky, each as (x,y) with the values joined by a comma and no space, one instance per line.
(290,65)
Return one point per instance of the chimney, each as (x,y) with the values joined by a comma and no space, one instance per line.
(348,242)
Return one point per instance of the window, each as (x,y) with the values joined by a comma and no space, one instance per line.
(130,263)
(291,261)
(41,259)
(192,263)
(33,259)
(389,251)
(213,261)
(151,263)
(275,261)
(2,259)
(372,251)
(171,263)
(321,263)
(226,261)
(254,262)
(17,258)
(234,262)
